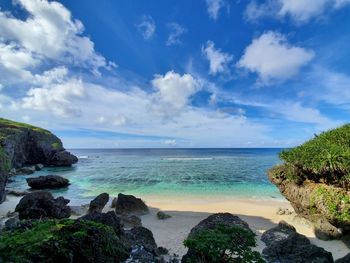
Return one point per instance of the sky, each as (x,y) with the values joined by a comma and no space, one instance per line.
(176,73)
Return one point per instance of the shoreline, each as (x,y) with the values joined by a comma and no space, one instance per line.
(186,212)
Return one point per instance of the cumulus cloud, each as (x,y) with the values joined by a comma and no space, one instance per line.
(273,58)
(48,33)
(214,7)
(176,32)
(299,10)
(147,27)
(174,90)
(218,60)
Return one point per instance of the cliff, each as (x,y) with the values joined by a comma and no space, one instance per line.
(315,178)
(23,144)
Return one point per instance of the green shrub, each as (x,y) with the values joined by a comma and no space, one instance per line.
(223,245)
(62,241)
(325,158)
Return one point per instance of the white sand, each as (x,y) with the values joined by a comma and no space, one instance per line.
(188,211)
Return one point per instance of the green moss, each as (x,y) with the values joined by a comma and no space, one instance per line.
(13,124)
(337,202)
(223,245)
(60,240)
(57,145)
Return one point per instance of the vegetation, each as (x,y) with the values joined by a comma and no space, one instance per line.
(223,245)
(325,159)
(62,241)
(5,163)
(17,125)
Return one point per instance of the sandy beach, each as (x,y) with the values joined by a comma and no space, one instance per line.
(187,211)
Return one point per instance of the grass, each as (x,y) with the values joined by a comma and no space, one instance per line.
(325,158)
(18,125)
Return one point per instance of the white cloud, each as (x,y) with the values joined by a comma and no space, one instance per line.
(147,27)
(214,7)
(218,60)
(300,11)
(174,90)
(170,142)
(273,58)
(55,94)
(176,32)
(48,33)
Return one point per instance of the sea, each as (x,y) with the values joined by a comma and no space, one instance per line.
(240,173)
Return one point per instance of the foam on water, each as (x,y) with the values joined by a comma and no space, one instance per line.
(226,172)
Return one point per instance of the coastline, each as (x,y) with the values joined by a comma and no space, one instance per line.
(188,211)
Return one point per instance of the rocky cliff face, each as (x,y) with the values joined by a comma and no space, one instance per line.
(22,144)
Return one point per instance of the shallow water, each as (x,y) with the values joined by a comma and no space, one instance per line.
(227,172)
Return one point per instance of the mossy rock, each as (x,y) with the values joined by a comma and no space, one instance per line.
(62,241)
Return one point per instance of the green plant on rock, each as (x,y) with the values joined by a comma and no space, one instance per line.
(223,245)
(5,163)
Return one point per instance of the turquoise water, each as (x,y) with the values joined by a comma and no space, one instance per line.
(234,172)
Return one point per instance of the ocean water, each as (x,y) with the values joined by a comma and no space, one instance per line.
(226,172)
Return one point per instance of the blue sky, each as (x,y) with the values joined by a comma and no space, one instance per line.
(204,73)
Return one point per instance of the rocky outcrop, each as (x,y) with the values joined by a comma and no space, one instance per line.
(47,181)
(345,259)
(42,204)
(324,205)
(285,245)
(22,145)
(129,204)
(98,203)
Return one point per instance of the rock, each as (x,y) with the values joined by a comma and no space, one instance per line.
(3,181)
(325,231)
(79,210)
(161,215)
(212,222)
(163,251)
(130,221)
(143,245)
(47,181)
(15,192)
(131,205)
(278,233)
(345,259)
(22,144)
(42,204)
(283,211)
(292,247)
(97,204)
(114,202)
(39,167)
(12,223)
(63,158)
(109,219)
(26,170)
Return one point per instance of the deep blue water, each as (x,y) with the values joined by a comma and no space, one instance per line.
(236,172)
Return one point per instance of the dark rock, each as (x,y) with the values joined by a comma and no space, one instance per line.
(109,219)
(161,215)
(63,158)
(278,233)
(39,167)
(130,221)
(325,231)
(345,259)
(131,205)
(15,192)
(163,251)
(97,204)
(12,223)
(295,248)
(26,170)
(47,181)
(3,181)
(114,202)
(79,210)
(42,204)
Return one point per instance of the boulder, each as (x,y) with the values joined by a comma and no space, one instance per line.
(325,231)
(278,233)
(109,219)
(97,204)
(39,167)
(345,259)
(114,202)
(15,192)
(42,204)
(285,245)
(79,210)
(283,211)
(130,221)
(161,215)
(26,170)
(129,204)
(47,181)
(63,158)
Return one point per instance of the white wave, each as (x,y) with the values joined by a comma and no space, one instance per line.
(83,157)
(189,158)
